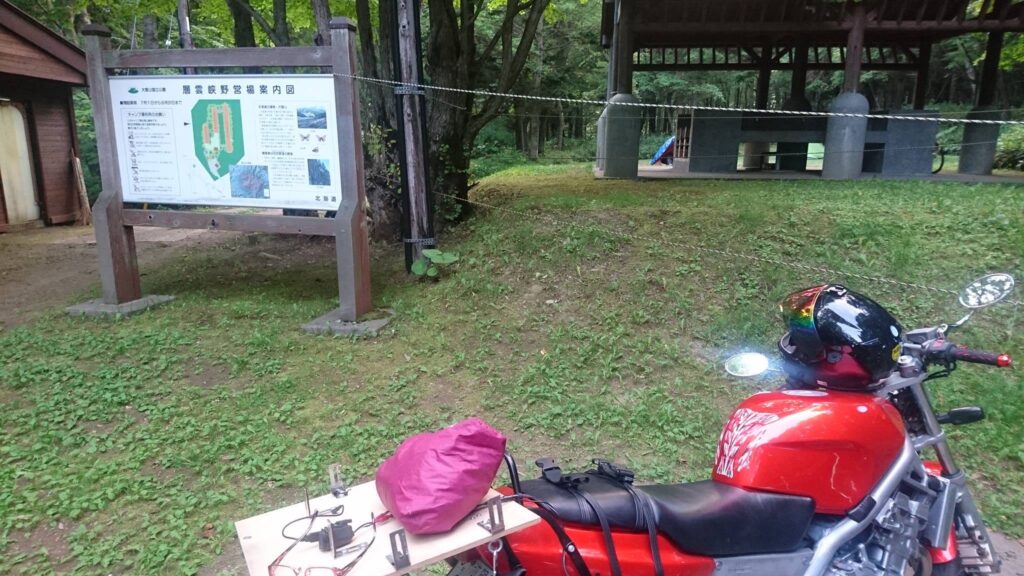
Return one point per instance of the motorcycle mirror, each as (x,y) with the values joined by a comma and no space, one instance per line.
(747,364)
(986,291)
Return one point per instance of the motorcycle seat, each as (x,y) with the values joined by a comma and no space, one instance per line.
(706,518)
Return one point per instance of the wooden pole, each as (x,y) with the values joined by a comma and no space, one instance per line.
(924,58)
(613,50)
(764,78)
(990,70)
(85,213)
(798,82)
(351,236)
(418,221)
(115,242)
(624,48)
(854,47)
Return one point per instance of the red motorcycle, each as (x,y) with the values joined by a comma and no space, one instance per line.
(824,476)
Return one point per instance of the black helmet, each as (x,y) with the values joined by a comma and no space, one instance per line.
(838,338)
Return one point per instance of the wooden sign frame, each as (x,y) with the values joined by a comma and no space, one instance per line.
(114,224)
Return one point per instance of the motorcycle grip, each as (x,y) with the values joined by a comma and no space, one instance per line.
(964,354)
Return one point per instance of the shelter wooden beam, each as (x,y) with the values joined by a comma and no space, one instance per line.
(798,84)
(990,70)
(683,67)
(854,47)
(219,58)
(764,77)
(691,31)
(924,56)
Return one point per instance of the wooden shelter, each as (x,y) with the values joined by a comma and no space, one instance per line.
(799,35)
(38,144)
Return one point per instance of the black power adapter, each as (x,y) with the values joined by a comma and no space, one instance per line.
(341,531)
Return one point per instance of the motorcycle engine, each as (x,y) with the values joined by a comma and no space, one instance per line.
(890,547)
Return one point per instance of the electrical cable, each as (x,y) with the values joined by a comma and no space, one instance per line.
(332,513)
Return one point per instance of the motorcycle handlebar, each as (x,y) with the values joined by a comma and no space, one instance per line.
(947,351)
(964,354)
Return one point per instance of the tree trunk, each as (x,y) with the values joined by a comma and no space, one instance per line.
(322,17)
(520,129)
(376,58)
(149,41)
(245,36)
(543,127)
(281,23)
(533,138)
(184,27)
(561,127)
(453,61)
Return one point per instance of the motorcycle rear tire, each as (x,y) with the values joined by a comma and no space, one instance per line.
(954,568)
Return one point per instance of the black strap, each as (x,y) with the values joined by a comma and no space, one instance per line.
(645,510)
(652,530)
(568,545)
(606,530)
(510,555)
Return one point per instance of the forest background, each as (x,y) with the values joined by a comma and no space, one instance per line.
(533,47)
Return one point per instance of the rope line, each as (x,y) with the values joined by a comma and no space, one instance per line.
(679,106)
(739,154)
(716,251)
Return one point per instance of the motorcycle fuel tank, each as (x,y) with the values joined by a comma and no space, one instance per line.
(831,446)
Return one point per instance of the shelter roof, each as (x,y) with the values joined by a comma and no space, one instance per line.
(744,25)
(29,48)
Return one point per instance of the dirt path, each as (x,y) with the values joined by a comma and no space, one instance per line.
(46,268)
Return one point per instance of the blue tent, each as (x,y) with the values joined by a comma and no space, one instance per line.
(664,152)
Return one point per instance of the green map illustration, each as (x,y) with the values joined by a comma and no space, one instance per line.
(217,133)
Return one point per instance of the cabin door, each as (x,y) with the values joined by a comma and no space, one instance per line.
(17,178)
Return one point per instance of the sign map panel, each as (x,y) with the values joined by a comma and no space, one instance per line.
(259,141)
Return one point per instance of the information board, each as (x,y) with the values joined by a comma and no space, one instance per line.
(260,141)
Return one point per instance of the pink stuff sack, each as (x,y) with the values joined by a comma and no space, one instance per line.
(435,479)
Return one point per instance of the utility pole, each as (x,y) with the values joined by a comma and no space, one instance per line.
(418,217)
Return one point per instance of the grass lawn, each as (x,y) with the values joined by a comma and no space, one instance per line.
(132,445)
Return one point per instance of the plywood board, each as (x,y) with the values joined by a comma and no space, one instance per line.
(261,540)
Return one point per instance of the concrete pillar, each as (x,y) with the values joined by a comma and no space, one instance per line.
(844,138)
(924,58)
(978,148)
(622,137)
(754,153)
(793,155)
(618,128)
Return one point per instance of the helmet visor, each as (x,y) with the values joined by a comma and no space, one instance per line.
(798,313)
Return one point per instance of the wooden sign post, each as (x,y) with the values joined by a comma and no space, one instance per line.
(114,223)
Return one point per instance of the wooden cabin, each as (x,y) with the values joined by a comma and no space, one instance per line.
(38,71)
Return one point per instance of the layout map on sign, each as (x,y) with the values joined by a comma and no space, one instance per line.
(260,141)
